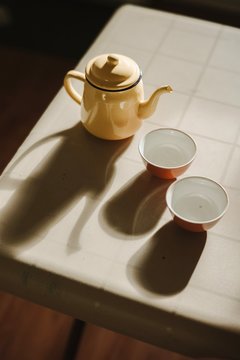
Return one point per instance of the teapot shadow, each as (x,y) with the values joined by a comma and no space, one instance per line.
(79,164)
(136,208)
(165,264)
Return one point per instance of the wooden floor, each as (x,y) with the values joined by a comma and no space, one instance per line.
(101,344)
(28,82)
(31,332)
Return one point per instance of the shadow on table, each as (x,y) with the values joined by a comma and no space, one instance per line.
(136,208)
(75,165)
(165,264)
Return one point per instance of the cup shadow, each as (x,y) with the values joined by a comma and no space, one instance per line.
(80,164)
(165,264)
(136,208)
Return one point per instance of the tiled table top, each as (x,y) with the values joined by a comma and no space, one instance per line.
(84,228)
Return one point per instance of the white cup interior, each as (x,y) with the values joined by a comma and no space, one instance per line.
(197,199)
(168,148)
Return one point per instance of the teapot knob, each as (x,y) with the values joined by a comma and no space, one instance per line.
(112,60)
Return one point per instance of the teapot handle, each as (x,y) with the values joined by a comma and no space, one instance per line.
(69,87)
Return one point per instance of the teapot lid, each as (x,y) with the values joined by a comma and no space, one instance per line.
(112,72)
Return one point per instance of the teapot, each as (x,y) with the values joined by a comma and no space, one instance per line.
(112,104)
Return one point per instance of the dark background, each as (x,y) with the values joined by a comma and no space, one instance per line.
(67,28)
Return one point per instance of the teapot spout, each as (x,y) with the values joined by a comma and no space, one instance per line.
(147,107)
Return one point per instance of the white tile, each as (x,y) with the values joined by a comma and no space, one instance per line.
(161,220)
(164,264)
(127,281)
(97,237)
(181,75)
(220,85)
(227,53)
(94,220)
(45,210)
(187,45)
(141,57)
(229,225)
(30,161)
(209,307)
(62,229)
(124,214)
(232,177)
(52,127)
(230,33)
(212,119)
(130,247)
(128,169)
(81,265)
(132,151)
(135,211)
(6,192)
(63,113)
(211,159)
(170,108)
(118,282)
(218,267)
(142,32)
(197,26)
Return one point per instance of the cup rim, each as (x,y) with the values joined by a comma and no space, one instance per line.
(164,166)
(171,187)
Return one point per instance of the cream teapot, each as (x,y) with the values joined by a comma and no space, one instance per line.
(112,105)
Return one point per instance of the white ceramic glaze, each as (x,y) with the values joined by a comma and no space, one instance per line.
(196,203)
(167,152)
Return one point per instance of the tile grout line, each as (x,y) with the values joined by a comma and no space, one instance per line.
(200,97)
(217,101)
(175,57)
(204,67)
(224,237)
(154,53)
(167,29)
(215,292)
(232,187)
(200,135)
(235,145)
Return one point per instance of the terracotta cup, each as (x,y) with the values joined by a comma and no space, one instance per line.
(167,152)
(196,203)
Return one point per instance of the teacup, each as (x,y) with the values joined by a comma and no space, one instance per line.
(167,152)
(196,203)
